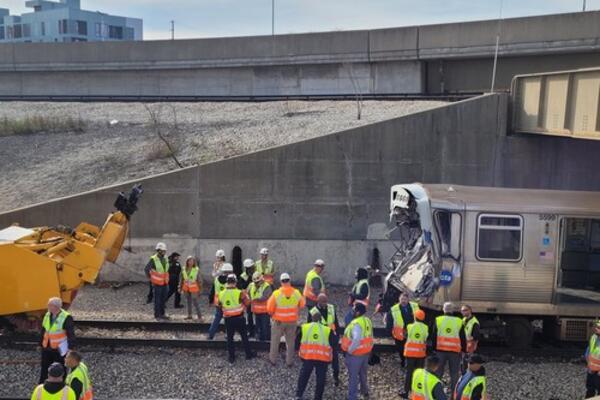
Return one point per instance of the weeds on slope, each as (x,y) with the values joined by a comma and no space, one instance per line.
(40,124)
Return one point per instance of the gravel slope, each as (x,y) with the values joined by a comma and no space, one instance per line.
(39,167)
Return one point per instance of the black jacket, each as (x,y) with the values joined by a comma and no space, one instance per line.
(76,385)
(211,296)
(323,312)
(475,333)
(69,326)
(174,270)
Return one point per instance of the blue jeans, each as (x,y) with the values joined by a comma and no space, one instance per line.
(349,316)
(160,296)
(357,373)
(263,327)
(214,326)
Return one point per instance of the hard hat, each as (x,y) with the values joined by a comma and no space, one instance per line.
(231,278)
(161,246)
(257,276)
(420,315)
(248,262)
(285,277)
(264,251)
(320,263)
(220,253)
(226,268)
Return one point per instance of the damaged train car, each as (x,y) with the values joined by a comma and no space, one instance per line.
(521,258)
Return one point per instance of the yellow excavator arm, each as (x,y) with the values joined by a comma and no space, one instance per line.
(44,262)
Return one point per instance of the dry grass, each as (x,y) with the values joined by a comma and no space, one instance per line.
(40,124)
(159,151)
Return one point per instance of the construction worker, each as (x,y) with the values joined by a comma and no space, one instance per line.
(259,291)
(157,270)
(243,283)
(219,261)
(471,325)
(218,286)
(592,356)
(315,343)
(357,343)
(400,315)
(329,318)
(54,388)
(174,275)
(360,292)
(425,383)
(314,284)
(190,285)
(415,348)
(232,302)
(284,308)
(449,341)
(265,266)
(58,336)
(78,378)
(472,384)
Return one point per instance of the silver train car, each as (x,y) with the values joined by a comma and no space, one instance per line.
(523,259)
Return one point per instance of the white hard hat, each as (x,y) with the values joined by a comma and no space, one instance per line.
(285,276)
(220,253)
(161,246)
(248,262)
(264,251)
(320,263)
(256,276)
(226,268)
(231,277)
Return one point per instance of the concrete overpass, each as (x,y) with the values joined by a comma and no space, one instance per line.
(419,59)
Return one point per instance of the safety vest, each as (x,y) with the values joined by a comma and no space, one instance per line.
(593,358)
(159,275)
(287,308)
(399,324)
(330,320)
(471,343)
(308,290)
(315,343)
(190,280)
(219,287)
(230,302)
(81,373)
(65,394)
(416,337)
(356,291)
(467,392)
(366,343)
(258,306)
(268,270)
(54,333)
(423,383)
(448,333)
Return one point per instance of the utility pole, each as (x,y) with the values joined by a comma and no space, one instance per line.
(584,1)
(172,30)
(272,17)
(497,46)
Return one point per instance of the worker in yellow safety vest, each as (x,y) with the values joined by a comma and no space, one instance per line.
(259,291)
(190,284)
(315,342)
(449,341)
(472,385)
(232,302)
(78,378)
(360,293)
(314,284)
(218,286)
(265,265)
(399,316)
(157,270)
(54,388)
(592,355)
(58,336)
(425,384)
(357,343)
(471,325)
(415,348)
(329,318)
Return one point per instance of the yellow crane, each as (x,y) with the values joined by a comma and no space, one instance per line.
(43,262)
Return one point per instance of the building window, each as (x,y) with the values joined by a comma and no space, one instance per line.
(129,33)
(37,8)
(63,26)
(499,237)
(43,28)
(81,28)
(115,32)
(1,32)
(98,29)
(18,31)
(10,32)
(26,30)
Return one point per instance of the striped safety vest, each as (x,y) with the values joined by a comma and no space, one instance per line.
(159,275)
(54,332)
(219,287)
(65,394)
(81,373)
(398,332)
(315,343)
(366,343)
(308,290)
(190,280)
(423,383)
(229,299)
(287,309)
(593,358)
(267,269)
(416,338)
(258,306)
(469,388)
(330,320)
(356,291)
(471,343)
(448,333)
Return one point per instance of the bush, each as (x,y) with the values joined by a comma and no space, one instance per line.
(40,124)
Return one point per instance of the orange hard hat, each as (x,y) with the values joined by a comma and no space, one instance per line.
(420,315)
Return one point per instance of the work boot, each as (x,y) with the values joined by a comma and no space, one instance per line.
(231,359)
(404,395)
(336,381)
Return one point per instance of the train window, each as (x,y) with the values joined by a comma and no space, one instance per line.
(499,237)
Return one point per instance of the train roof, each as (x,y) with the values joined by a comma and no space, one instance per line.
(480,198)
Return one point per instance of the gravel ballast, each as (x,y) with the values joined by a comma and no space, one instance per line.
(120,142)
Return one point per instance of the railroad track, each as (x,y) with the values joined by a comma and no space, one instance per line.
(201,98)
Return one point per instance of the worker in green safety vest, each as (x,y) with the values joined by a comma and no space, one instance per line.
(425,383)
(78,378)
(472,384)
(54,388)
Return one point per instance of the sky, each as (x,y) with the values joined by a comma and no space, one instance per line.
(213,18)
